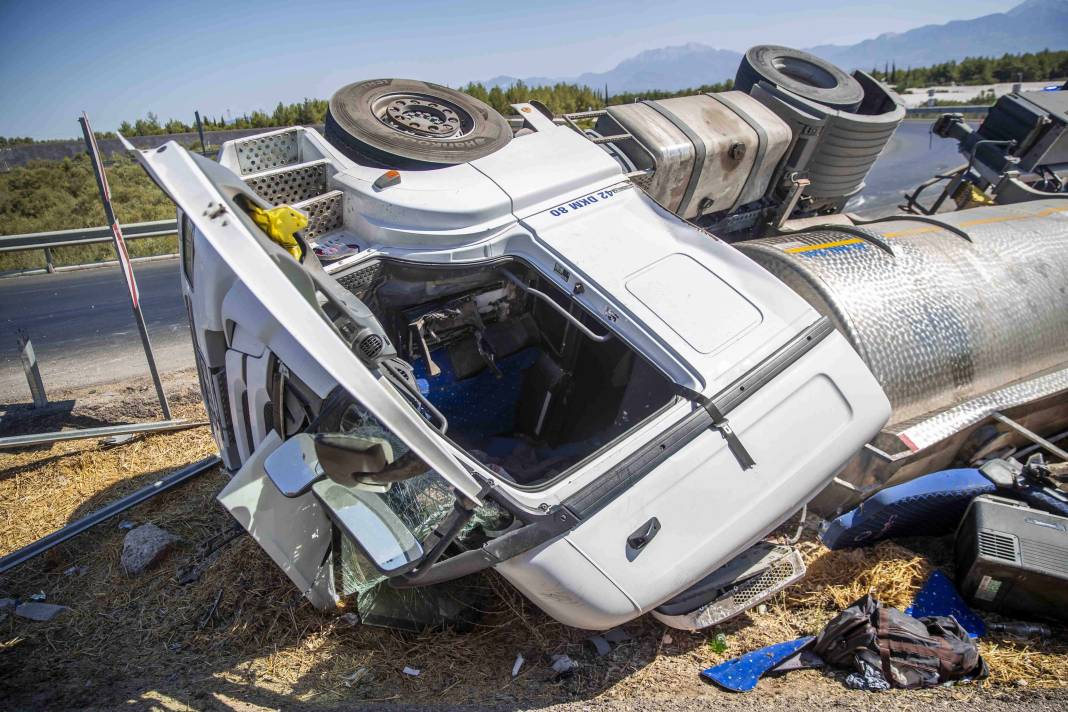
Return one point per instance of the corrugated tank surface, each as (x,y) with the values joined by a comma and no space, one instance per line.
(937,317)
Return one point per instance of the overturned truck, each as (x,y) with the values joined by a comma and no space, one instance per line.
(607,353)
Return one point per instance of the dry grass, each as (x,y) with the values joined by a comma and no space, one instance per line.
(835,579)
(243,631)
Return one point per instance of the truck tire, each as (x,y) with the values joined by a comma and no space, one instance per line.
(801,73)
(403,123)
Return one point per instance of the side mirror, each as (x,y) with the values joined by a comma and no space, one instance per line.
(304,459)
(294,466)
(366,518)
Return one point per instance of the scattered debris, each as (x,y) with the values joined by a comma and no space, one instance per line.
(127,524)
(519,660)
(206,553)
(719,643)
(144,547)
(1020,629)
(563,664)
(667,639)
(39,596)
(412,671)
(211,611)
(602,643)
(357,675)
(34,611)
(939,597)
(118,440)
(7,603)
(75,571)
(350,618)
(741,674)
(899,649)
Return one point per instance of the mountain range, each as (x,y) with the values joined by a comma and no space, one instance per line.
(1031,26)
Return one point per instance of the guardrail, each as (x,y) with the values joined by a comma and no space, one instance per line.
(82,236)
(928,110)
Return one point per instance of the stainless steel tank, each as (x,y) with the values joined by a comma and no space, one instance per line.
(709,152)
(940,314)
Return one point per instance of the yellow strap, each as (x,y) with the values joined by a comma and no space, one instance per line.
(280,223)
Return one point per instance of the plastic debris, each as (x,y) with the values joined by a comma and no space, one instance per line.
(742,674)
(1021,629)
(939,597)
(127,524)
(667,639)
(280,223)
(41,612)
(600,645)
(871,679)
(357,675)
(563,664)
(75,571)
(350,618)
(412,671)
(39,596)
(519,660)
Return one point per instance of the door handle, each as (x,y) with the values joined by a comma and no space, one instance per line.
(644,534)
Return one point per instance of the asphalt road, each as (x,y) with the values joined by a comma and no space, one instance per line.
(83,331)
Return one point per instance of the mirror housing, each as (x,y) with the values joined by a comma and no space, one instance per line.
(294,466)
(304,459)
(364,517)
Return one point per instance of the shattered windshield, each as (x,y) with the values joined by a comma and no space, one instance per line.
(422,501)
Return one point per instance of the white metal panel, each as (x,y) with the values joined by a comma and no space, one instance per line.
(623,232)
(294,531)
(235,376)
(800,429)
(540,168)
(205,190)
(694,302)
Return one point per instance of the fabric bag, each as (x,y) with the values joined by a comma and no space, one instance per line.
(909,652)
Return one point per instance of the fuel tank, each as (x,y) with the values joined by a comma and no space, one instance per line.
(943,310)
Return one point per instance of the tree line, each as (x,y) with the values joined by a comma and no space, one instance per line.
(563,97)
(1041,66)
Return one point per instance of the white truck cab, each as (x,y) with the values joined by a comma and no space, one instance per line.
(518,361)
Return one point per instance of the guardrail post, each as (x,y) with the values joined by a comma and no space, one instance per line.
(200,130)
(50,265)
(33,373)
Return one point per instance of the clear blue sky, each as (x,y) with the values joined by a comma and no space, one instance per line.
(119,60)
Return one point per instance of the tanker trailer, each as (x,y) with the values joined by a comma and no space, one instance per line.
(437,341)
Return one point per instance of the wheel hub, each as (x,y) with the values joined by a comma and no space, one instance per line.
(422,116)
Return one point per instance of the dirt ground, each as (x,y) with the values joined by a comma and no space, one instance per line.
(241,637)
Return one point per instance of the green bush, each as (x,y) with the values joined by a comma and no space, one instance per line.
(60,195)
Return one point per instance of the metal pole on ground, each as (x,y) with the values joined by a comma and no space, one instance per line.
(33,373)
(124,259)
(104,513)
(200,130)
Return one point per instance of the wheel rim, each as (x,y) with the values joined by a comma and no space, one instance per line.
(422,115)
